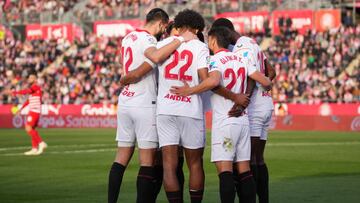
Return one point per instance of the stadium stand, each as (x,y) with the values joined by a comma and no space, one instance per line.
(309,66)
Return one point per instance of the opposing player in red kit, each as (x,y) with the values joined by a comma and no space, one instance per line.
(32,119)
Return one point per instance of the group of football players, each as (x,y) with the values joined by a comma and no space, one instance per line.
(169,81)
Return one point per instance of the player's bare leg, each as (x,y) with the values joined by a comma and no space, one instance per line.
(159,173)
(179,170)
(262,181)
(255,142)
(226,181)
(122,159)
(247,186)
(38,146)
(259,169)
(145,180)
(194,161)
(171,184)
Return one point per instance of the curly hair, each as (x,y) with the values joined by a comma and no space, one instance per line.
(189,19)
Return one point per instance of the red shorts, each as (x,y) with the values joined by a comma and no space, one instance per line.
(32,119)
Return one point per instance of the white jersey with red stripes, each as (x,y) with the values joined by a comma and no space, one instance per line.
(250,51)
(234,73)
(182,65)
(142,93)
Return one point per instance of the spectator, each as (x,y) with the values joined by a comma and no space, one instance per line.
(310,65)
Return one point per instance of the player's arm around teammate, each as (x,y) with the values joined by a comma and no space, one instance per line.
(158,56)
(137,102)
(180,119)
(260,112)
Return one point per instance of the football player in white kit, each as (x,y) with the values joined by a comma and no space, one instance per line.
(260,107)
(137,102)
(230,141)
(180,119)
(260,111)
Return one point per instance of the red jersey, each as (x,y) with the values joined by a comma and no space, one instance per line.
(34,100)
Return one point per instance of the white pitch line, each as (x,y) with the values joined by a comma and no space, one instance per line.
(66,152)
(313,144)
(114,149)
(58,146)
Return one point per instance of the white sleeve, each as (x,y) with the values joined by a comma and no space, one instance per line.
(203,60)
(149,41)
(214,65)
(251,63)
(248,58)
(152,64)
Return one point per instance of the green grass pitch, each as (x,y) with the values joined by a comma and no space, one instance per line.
(304,167)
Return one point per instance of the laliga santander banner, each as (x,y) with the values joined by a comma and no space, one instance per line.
(302,20)
(327,19)
(323,117)
(246,21)
(54,31)
(317,117)
(116,28)
(62,116)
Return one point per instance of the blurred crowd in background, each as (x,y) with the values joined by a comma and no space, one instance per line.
(310,67)
(32,11)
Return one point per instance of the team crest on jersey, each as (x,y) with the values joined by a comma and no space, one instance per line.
(152,40)
(246,54)
(227,144)
(208,60)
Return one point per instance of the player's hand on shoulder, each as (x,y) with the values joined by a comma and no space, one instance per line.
(236,111)
(188,36)
(242,99)
(181,90)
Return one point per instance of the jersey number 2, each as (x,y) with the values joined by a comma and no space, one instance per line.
(129,54)
(186,54)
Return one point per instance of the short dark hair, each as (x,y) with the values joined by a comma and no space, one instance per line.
(222,36)
(32,72)
(223,22)
(190,19)
(157,14)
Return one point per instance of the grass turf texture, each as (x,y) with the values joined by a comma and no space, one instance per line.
(304,167)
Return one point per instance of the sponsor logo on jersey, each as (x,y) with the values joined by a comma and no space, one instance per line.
(246,54)
(152,40)
(212,65)
(266,94)
(178,98)
(128,93)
